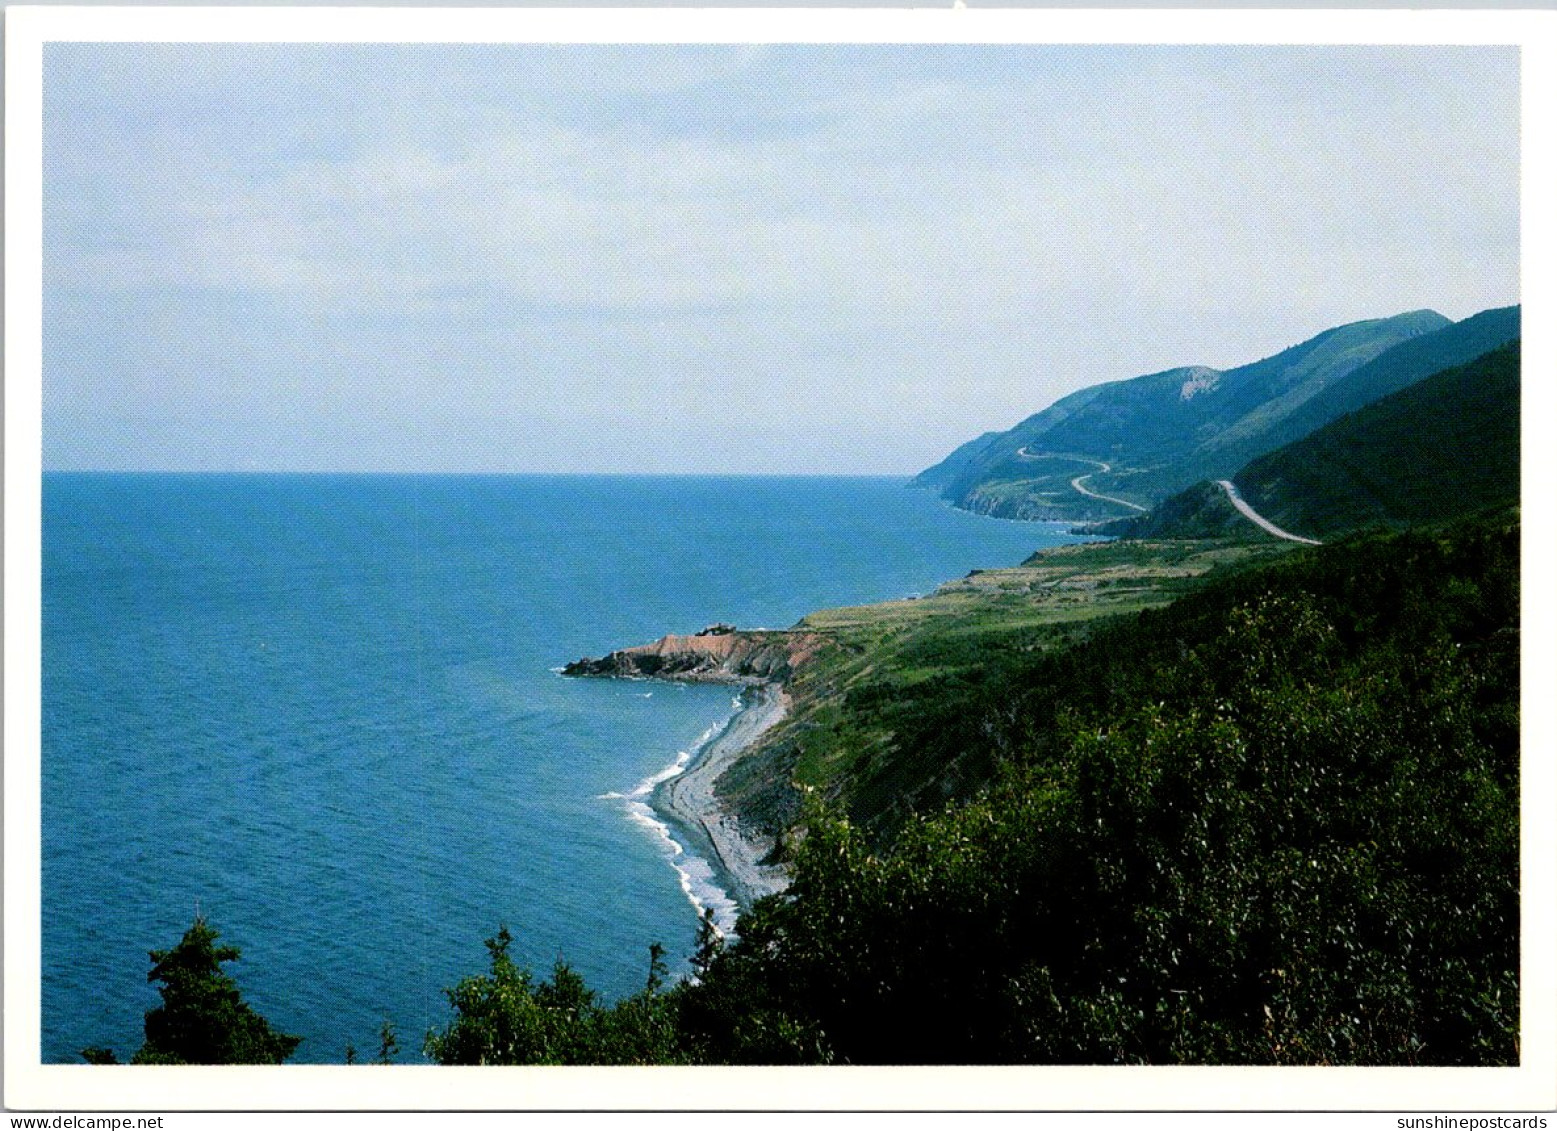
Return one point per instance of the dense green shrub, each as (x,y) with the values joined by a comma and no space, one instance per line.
(506,1017)
(1275,823)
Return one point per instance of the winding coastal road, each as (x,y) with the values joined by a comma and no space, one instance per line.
(1102,468)
(1258,519)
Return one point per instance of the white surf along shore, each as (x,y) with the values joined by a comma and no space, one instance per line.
(722,862)
(719,862)
(687,801)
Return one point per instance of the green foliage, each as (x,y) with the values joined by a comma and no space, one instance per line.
(1200,511)
(506,1017)
(388,1042)
(709,943)
(1273,823)
(203,1018)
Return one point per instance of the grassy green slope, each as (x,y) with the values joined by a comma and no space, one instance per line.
(1201,511)
(879,721)
(1443,447)
(1396,369)
(1162,432)
(1157,432)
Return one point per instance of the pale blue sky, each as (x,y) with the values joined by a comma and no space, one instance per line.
(722,259)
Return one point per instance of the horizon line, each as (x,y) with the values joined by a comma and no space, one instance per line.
(385,473)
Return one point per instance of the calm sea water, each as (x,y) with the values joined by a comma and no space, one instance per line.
(323,711)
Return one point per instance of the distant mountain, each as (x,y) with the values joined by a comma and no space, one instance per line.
(1109,448)
(1443,447)
(1395,369)
(944,473)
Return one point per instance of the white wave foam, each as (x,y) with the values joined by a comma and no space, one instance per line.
(695,874)
(675,769)
(683,759)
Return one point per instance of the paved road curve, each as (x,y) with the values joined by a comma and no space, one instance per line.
(1075,483)
(1255,517)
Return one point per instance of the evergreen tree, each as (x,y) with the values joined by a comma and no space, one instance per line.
(710,941)
(388,1042)
(203,1018)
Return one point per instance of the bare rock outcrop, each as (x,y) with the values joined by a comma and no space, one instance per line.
(724,656)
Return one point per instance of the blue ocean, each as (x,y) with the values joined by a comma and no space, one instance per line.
(323,711)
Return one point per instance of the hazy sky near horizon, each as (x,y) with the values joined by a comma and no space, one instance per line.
(722,259)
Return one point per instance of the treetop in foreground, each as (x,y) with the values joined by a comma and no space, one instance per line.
(203,1018)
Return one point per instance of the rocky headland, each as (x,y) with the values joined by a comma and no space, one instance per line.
(761,661)
(718,654)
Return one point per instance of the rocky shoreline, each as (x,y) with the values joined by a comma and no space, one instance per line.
(688,802)
(760,661)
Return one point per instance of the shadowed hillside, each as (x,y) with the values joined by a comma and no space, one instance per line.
(1446,446)
(1443,447)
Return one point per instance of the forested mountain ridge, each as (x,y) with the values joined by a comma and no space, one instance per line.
(1446,446)
(1104,449)
(1398,368)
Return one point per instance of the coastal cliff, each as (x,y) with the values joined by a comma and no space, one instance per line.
(718,654)
(740,850)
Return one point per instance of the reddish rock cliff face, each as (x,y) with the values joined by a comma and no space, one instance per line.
(723,657)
